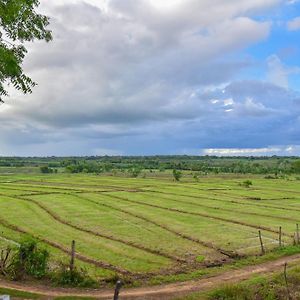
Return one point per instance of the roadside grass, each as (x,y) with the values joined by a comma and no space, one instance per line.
(271,287)
(239,291)
(19,294)
(16,294)
(238,264)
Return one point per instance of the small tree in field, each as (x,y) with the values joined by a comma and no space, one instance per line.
(177,175)
(246,183)
(46,170)
(135,172)
(196,177)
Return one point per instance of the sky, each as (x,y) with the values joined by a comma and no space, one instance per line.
(147,77)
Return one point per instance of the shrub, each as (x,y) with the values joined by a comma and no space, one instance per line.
(46,170)
(246,183)
(77,277)
(196,178)
(177,174)
(29,260)
(135,172)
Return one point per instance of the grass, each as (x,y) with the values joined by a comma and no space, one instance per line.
(144,225)
(258,287)
(18,294)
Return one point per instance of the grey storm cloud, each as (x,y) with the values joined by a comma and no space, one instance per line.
(130,73)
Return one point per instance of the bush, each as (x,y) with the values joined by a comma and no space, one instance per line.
(46,170)
(196,177)
(29,260)
(135,172)
(177,174)
(246,183)
(77,277)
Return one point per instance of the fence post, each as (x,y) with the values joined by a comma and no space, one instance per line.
(261,242)
(72,256)
(286,283)
(298,237)
(280,233)
(117,289)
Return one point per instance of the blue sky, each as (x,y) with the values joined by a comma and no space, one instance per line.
(142,77)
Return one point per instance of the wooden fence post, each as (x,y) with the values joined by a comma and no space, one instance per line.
(72,256)
(261,242)
(286,283)
(298,237)
(280,233)
(117,289)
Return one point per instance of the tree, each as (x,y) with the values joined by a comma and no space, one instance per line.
(296,166)
(46,170)
(135,171)
(19,23)
(177,174)
(247,183)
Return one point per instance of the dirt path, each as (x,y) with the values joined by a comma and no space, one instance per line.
(167,291)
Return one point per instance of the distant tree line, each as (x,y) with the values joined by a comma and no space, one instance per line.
(134,165)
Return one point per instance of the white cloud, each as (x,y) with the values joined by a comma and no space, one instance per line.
(267,151)
(278,73)
(120,75)
(132,61)
(294,24)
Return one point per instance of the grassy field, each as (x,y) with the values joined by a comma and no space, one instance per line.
(147,227)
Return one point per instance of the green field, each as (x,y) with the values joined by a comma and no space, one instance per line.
(143,227)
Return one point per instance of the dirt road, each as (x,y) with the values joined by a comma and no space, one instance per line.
(167,291)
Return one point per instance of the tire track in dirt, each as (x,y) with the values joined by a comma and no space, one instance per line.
(227,253)
(58,246)
(98,234)
(201,215)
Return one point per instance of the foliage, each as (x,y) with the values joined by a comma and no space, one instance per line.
(296,166)
(46,170)
(78,277)
(199,165)
(261,288)
(246,183)
(196,177)
(135,171)
(29,259)
(177,174)
(19,23)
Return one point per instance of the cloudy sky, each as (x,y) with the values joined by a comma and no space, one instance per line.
(161,77)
